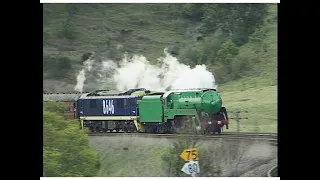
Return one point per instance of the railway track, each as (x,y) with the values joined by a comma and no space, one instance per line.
(272,138)
(273,172)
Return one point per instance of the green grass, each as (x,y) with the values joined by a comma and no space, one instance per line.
(143,157)
(261,104)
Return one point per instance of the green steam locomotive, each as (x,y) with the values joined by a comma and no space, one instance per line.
(183,110)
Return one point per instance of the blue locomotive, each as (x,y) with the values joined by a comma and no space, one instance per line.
(102,111)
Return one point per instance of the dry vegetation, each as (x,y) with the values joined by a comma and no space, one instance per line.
(146,157)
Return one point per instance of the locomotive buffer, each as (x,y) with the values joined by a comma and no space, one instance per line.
(191,167)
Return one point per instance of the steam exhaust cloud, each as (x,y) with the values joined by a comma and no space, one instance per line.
(137,72)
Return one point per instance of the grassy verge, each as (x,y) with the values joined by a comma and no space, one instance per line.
(261,104)
(143,156)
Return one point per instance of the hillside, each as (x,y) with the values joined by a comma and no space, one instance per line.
(258,94)
(236,42)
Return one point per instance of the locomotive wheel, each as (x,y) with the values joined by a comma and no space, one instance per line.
(161,129)
(218,129)
(125,128)
(148,128)
(185,123)
(92,128)
(170,127)
(99,129)
(210,129)
(202,132)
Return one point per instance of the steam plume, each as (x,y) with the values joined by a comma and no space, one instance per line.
(81,77)
(137,72)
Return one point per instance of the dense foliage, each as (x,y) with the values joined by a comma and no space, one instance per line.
(66,151)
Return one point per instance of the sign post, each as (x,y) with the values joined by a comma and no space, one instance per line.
(191,167)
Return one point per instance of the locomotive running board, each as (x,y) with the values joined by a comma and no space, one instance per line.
(135,120)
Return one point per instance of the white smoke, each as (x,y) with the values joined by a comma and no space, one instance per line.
(81,77)
(104,72)
(80,80)
(137,72)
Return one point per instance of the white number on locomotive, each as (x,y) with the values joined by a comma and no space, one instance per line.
(107,106)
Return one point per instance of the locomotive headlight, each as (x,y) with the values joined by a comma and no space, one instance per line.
(213,102)
(209,122)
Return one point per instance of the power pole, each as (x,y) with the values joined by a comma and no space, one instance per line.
(237,117)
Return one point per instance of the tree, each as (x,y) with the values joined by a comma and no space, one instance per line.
(226,52)
(58,107)
(237,21)
(193,11)
(57,66)
(66,150)
(68,30)
(257,40)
